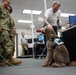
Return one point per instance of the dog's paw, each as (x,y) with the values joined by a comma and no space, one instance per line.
(58,65)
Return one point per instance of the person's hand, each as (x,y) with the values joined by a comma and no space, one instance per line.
(14,30)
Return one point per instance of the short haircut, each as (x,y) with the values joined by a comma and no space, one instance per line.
(56,2)
(4,0)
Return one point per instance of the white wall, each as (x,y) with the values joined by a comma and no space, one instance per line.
(28,32)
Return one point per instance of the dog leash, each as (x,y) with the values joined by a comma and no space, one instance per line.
(6,61)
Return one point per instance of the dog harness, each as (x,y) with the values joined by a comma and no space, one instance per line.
(56,42)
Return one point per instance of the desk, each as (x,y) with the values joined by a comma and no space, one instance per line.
(39,49)
(30,46)
(69,38)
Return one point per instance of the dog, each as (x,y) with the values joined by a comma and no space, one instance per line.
(57,54)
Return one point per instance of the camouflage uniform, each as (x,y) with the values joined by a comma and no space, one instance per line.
(5,41)
(11,34)
(1,50)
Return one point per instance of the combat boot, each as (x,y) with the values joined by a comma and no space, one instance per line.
(14,61)
(2,63)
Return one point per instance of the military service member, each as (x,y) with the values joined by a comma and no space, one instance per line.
(5,41)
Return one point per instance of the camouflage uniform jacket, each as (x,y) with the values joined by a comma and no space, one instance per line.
(11,26)
(4,19)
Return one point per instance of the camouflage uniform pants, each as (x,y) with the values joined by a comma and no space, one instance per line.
(12,38)
(6,43)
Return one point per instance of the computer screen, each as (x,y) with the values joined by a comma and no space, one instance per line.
(72,19)
(30,40)
(40,37)
(35,40)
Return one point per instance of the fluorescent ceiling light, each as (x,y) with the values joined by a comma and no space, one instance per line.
(66,14)
(24,21)
(37,12)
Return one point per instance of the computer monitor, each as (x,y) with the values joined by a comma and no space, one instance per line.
(40,38)
(35,40)
(30,40)
(72,19)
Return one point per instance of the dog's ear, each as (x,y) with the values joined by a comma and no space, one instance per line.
(50,33)
(53,34)
(47,33)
